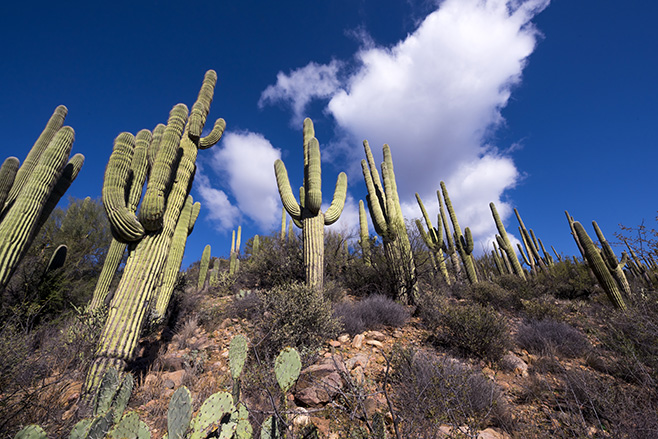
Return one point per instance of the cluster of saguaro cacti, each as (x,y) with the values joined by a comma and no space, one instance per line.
(203,267)
(463,242)
(600,264)
(532,245)
(433,239)
(307,213)
(234,262)
(386,215)
(509,257)
(173,151)
(222,415)
(29,193)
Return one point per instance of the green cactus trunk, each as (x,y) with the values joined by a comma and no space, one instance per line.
(148,253)
(599,267)
(364,236)
(32,191)
(203,267)
(463,243)
(307,212)
(505,243)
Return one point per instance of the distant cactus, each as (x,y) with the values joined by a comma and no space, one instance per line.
(463,242)
(386,215)
(255,245)
(531,245)
(614,265)
(30,193)
(203,267)
(599,267)
(234,262)
(169,182)
(307,211)
(505,243)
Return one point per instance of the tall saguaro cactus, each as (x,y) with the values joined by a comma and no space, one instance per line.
(433,239)
(614,265)
(364,236)
(307,211)
(505,243)
(151,232)
(463,242)
(599,267)
(386,215)
(203,267)
(234,262)
(29,193)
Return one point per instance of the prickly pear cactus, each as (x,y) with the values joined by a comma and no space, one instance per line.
(129,427)
(210,416)
(286,368)
(31,432)
(180,413)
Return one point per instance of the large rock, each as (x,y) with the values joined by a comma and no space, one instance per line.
(319,383)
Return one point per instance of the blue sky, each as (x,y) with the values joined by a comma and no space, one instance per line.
(543,107)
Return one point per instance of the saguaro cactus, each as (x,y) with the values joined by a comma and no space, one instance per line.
(364,236)
(307,211)
(169,182)
(433,239)
(463,243)
(505,244)
(234,262)
(203,267)
(386,215)
(614,265)
(29,194)
(599,267)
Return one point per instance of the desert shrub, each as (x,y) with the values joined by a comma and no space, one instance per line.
(471,329)
(515,285)
(540,308)
(298,316)
(278,262)
(373,312)
(548,337)
(566,280)
(487,293)
(429,392)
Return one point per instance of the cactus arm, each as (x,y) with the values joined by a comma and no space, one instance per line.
(505,243)
(153,206)
(201,106)
(31,161)
(196,208)
(214,136)
(374,205)
(338,202)
(377,184)
(17,228)
(125,225)
(154,147)
(7,177)
(203,267)
(110,265)
(139,168)
(285,191)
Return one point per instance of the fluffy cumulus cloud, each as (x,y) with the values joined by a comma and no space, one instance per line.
(434,97)
(245,163)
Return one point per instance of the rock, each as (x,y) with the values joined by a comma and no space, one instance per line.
(375,343)
(376,335)
(358,375)
(319,383)
(357,343)
(357,360)
(171,361)
(514,364)
(490,433)
(334,343)
(345,338)
(176,379)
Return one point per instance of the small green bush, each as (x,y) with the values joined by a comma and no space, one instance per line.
(298,316)
(487,293)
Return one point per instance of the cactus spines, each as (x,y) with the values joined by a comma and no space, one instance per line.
(599,267)
(463,244)
(203,267)
(180,413)
(35,190)
(307,211)
(169,183)
(364,236)
(386,215)
(505,243)
(287,367)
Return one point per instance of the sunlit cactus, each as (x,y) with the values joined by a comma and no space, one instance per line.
(203,267)
(234,262)
(463,242)
(29,193)
(614,265)
(433,239)
(386,215)
(308,210)
(168,185)
(505,243)
(599,267)
(364,235)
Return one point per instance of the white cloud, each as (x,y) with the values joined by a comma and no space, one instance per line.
(246,164)
(435,98)
(301,86)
